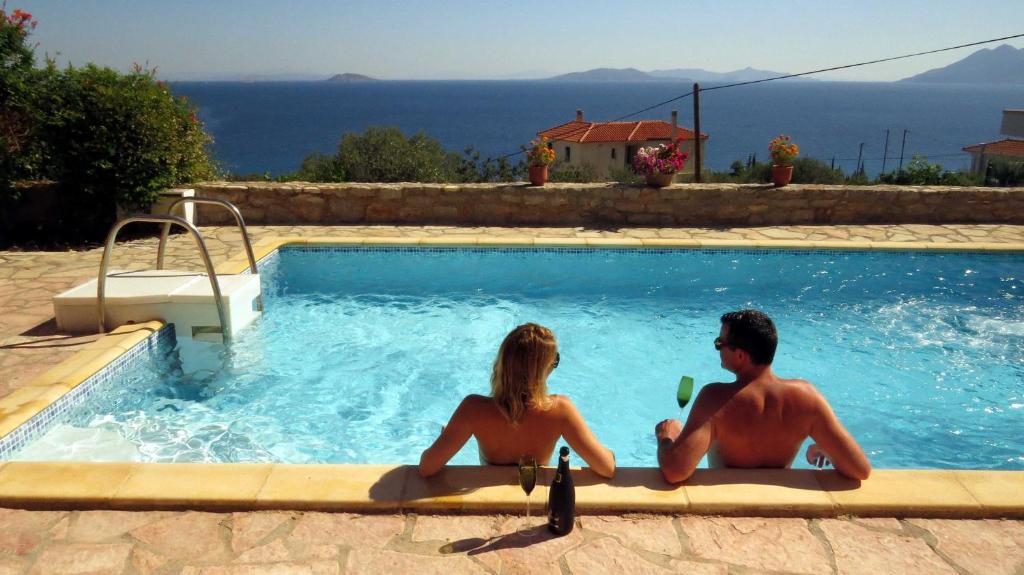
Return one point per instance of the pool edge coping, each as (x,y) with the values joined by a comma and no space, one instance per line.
(387,488)
(474,489)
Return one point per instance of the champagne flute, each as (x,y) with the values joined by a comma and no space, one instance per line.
(527,480)
(685,391)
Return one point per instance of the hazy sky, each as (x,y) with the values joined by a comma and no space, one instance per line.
(514,38)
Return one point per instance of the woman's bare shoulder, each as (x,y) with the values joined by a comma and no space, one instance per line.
(561,404)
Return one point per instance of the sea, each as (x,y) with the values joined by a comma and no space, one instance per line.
(269,127)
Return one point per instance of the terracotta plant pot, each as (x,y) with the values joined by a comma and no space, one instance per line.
(659,180)
(781,175)
(538,175)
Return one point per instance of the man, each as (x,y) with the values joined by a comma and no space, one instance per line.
(760,419)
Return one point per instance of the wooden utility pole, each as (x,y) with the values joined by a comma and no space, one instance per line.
(696,133)
(903,145)
(860,154)
(885,154)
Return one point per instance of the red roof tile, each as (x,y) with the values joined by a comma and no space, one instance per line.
(617,131)
(1013,148)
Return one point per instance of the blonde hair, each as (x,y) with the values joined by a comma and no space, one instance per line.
(520,376)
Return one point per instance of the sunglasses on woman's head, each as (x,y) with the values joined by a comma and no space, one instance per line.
(558,357)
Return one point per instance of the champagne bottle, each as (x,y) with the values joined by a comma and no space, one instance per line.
(562,497)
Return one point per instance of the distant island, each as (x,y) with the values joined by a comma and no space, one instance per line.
(675,75)
(607,75)
(350,77)
(1002,65)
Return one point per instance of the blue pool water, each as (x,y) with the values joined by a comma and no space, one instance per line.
(362,354)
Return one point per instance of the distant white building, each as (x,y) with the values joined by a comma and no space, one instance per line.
(611,145)
(1011,148)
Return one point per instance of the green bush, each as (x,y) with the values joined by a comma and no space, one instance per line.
(921,172)
(814,171)
(20,152)
(385,154)
(118,139)
(572,173)
(1005,173)
(108,139)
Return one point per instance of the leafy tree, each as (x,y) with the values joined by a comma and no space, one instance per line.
(386,155)
(117,140)
(318,167)
(20,152)
(471,168)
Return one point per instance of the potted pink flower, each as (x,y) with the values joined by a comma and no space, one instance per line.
(659,164)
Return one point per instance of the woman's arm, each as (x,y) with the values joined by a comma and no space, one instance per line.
(583,441)
(453,437)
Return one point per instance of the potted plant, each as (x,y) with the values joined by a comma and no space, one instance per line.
(539,156)
(783,150)
(659,164)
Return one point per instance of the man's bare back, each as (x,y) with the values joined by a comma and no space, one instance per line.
(760,424)
(759,420)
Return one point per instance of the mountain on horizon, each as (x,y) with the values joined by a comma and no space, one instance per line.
(608,75)
(1001,65)
(674,75)
(747,74)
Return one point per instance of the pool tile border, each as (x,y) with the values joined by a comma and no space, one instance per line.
(265,247)
(367,488)
(28,411)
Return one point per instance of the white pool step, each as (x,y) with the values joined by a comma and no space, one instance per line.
(182,298)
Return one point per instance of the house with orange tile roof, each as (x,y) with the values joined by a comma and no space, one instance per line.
(609,147)
(1010,149)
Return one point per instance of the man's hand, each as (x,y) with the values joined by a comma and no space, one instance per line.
(668,429)
(817,457)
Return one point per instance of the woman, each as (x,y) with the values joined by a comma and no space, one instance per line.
(520,418)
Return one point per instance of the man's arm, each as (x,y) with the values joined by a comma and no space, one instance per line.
(680,448)
(839,446)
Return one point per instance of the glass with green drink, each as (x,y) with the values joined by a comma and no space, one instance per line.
(685,391)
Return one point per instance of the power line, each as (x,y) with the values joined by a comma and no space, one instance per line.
(846,66)
(786,76)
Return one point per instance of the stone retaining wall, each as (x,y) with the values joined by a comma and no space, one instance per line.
(611,204)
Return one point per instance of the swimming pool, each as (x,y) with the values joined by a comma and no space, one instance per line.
(364,352)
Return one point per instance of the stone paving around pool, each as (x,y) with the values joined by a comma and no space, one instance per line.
(324,543)
(306,542)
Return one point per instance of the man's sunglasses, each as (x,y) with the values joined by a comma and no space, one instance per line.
(719,344)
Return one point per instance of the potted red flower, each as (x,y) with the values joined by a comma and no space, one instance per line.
(783,151)
(539,156)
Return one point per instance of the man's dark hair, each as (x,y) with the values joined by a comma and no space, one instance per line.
(753,332)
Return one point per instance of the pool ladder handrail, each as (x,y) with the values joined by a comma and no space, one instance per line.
(161,249)
(168,220)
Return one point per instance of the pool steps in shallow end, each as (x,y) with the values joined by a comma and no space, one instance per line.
(182,298)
